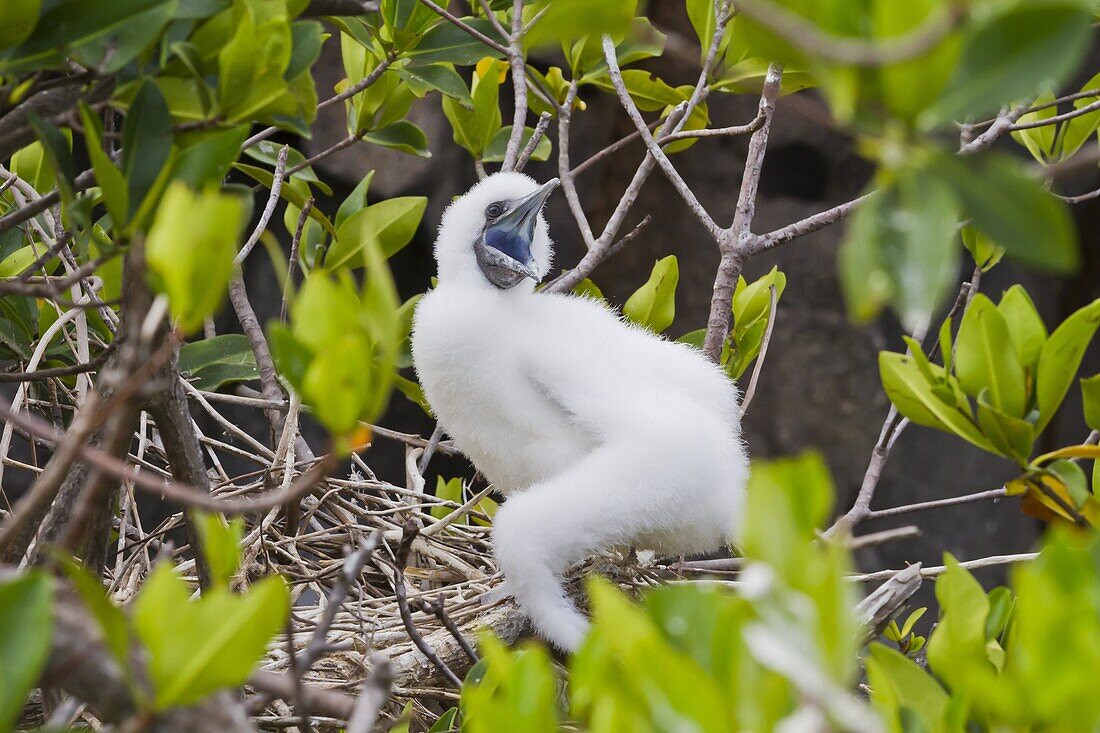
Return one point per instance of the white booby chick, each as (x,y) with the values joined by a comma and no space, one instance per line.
(598,433)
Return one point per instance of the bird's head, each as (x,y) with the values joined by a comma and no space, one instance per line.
(495,233)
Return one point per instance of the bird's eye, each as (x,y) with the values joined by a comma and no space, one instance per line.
(494,210)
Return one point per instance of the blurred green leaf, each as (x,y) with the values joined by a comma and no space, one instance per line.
(1011,55)
(221,542)
(957,648)
(1013,209)
(26,627)
(902,690)
(190,251)
(197,647)
(899,249)
(17,20)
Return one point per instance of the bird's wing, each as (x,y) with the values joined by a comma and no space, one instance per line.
(607,376)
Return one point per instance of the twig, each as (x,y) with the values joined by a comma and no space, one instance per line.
(937,503)
(269,208)
(533,143)
(1000,126)
(1056,119)
(651,144)
(935,570)
(810,224)
(880,538)
(396,567)
(292,264)
(438,609)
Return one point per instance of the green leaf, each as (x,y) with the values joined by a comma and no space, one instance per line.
(1039,141)
(1077,130)
(984,250)
(146,143)
(898,685)
(1090,397)
(221,545)
(212,363)
(201,646)
(391,223)
(104,36)
(287,193)
(18,261)
(355,200)
(337,386)
(1012,55)
(647,91)
(447,43)
(190,251)
(401,135)
(916,399)
(108,176)
(17,20)
(1000,610)
(447,490)
(252,65)
(1060,358)
(26,626)
(496,150)
(985,358)
(653,305)
(1012,436)
(57,147)
(909,87)
(1014,210)
(307,37)
(206,156)
(569,19)
(1027,329)
(291,355)
(436,77)
(30,164)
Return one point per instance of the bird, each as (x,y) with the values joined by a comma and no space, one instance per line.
(598,433)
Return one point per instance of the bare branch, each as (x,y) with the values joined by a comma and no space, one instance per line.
(533,143)
(269,208)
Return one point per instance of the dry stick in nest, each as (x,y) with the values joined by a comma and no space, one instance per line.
(409,533)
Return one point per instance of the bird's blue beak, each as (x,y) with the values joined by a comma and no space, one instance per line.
(504,251)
